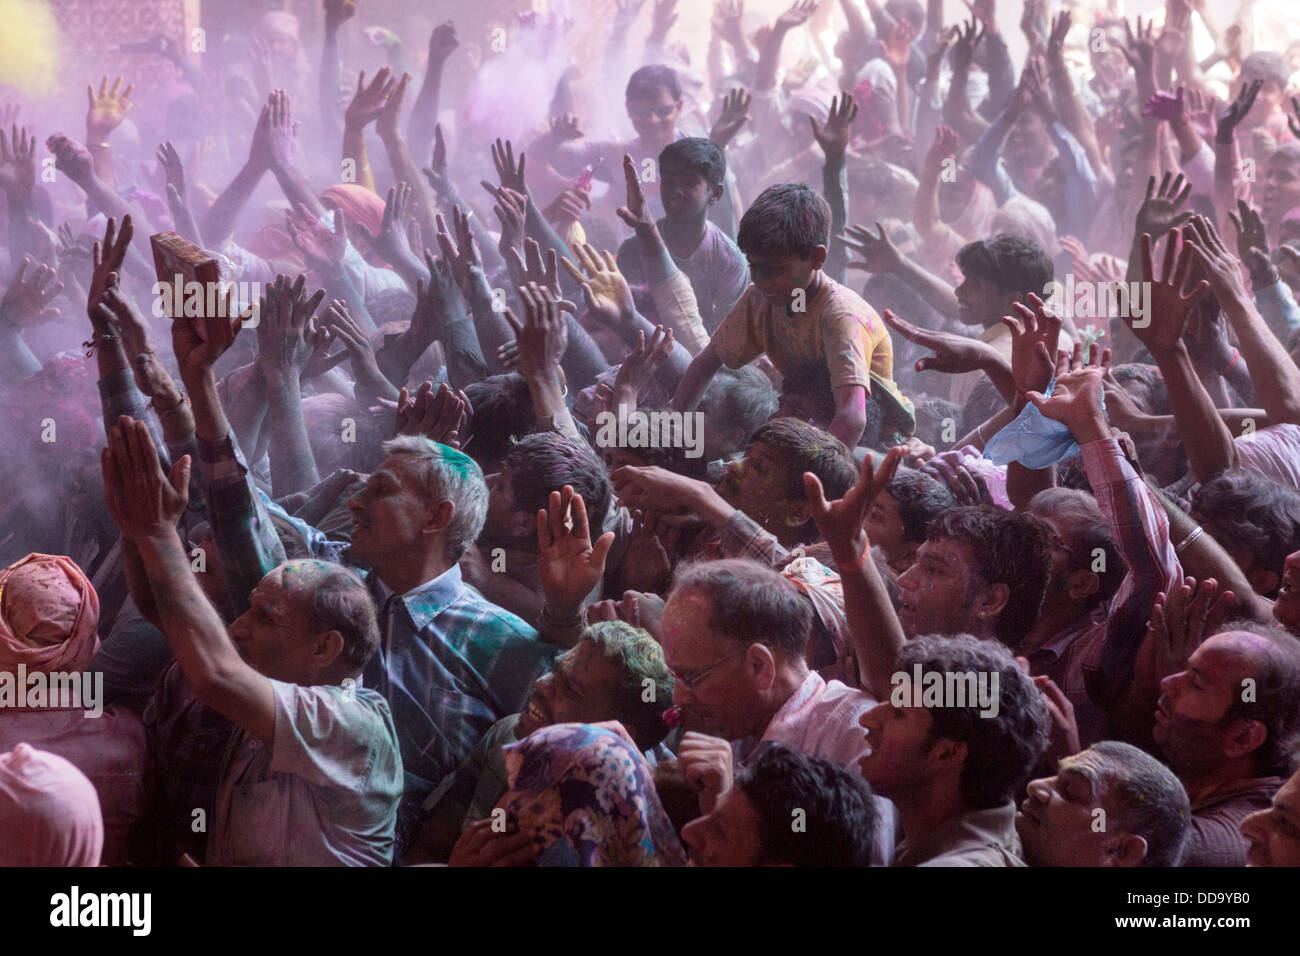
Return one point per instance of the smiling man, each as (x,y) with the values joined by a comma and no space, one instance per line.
(794,313)
(1111,805)
(1226,724)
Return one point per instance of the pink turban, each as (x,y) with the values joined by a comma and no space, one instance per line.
(359,204)
(49,615)
(49,811)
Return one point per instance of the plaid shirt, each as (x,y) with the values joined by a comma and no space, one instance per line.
(1092,660)
(451,664)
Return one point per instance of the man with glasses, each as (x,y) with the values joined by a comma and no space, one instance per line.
(734,635)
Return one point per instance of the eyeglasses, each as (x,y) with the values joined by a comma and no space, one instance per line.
(694,681)
(644,112)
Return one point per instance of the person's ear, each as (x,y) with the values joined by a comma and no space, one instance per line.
(326,650)
(992,600)
(1264,582)
(818,257)
(1081,585)
(760,665)
(715,194)
(1129,849)
(1244,737)
(796,513)
(948,755)
(439,517)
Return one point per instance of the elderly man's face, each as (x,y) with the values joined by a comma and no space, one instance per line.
(1057,821)
(389,514)
(711,684)
(273,634)
(729,836)
(1274,834)
(1193,703)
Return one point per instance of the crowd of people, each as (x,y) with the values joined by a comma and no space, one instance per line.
(952,515)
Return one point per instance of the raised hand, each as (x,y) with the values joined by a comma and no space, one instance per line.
(1140,50)
(734,115)
(442,416)
(285,335)
(542,337)
(150,376)
(605,291)
(443,42)
(1183,618)
(636,213)
(796,16)
(1252,241)
(842,523)
(663,18)
(1076,399)
(393,242)
(878,253)
(1238,110)
(1056,39)
(172,166)
(106,109)
(566,127)
(1222,268)
(337,12)
(27,300)
(834,137)
(1169,107)
(322,247)
(199,341)
(106,264)
(436,171)
(953,353)
(390,114)
(1159,211)
(143,500)
(512,212)
(641,364)
(1034,334)
(510,172)
(897,47)
(944,145)
(71,158)
(568,206)
(1167,308)
(356,343)
(369,101)
(17,163)
(569,565)
(967,37)
(462,255)
(532,269)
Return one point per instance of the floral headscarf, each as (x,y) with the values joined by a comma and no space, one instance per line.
(587,795)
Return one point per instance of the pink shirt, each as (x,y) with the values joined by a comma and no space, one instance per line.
(821,720)
(1272,453)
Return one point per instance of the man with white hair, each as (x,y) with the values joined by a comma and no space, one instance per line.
(450,663)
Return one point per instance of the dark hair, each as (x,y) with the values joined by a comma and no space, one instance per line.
(1247,508)
(638,657)
(644,82)
(749,603)
(1010,548)
(930,417)
(340,602)
(785,220)
(1088,533)
(1150,799)
(1276,702)
(1145,385)
(921,499)
(546,462)
(799,446)
(1001,750)
(746,399)
(503,413)
(1011,263)
(836,807)
(811,381)
(698,155)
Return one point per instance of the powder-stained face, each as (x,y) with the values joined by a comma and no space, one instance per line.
(777,277)
(937,591)
(1281,188)
(580,689)
(389,514)
(273,634)
(1057,818)
(756,485)
(1190,719)
(710,681)
(1274,834)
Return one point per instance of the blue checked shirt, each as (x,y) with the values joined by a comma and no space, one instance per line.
(451,664)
